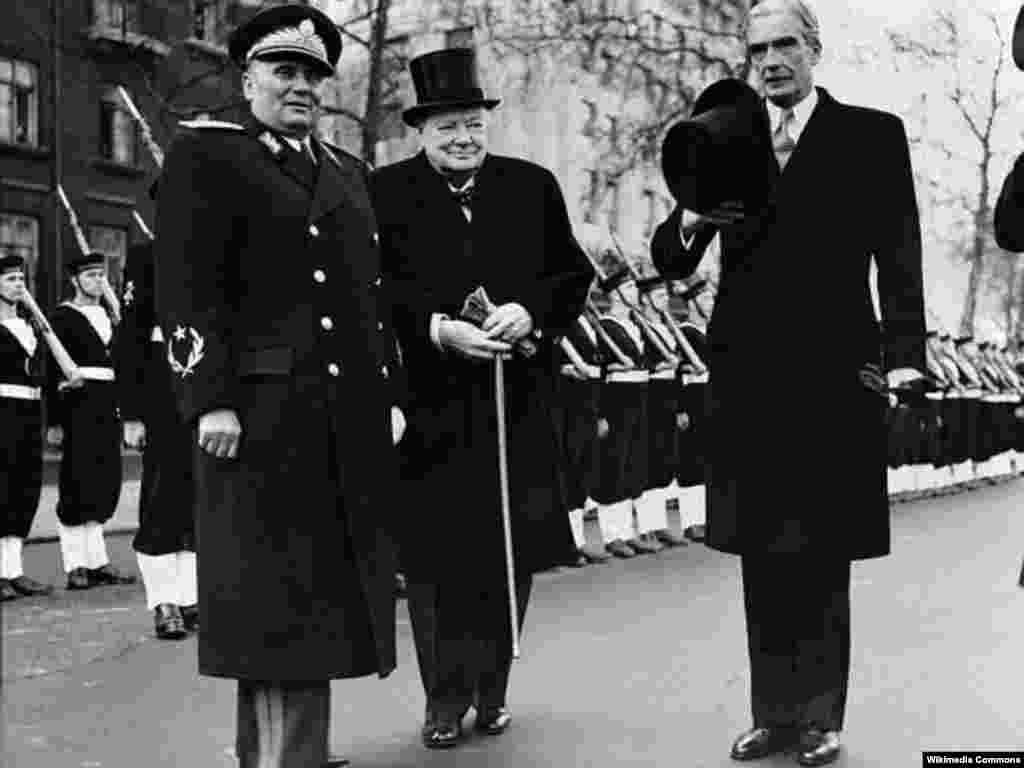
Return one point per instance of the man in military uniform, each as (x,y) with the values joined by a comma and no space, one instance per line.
(782,236)
(165,541)
(279,339)
(21,447)
(455,218)
(84,423)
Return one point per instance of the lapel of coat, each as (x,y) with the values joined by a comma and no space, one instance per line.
(812,148)
(279,153)
(335,184)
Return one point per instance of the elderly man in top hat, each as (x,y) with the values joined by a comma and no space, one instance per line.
(279,341)
(839,193)
(454,218)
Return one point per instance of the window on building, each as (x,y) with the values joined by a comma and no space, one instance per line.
(209,20)
(19,102)
(119,138)
(460,37)
(112,242)
(19,236)
(116,15)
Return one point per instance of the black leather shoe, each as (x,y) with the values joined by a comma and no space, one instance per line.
(78,578)
(337,762)
(761,742)
(493,721)
(819,748)
(619,548)
(168,622)
(23,585)
(190,613)
(108,574)
(7,592)
(441,734)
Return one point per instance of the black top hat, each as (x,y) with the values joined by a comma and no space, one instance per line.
(1017,46)
(723,152)
(287,32)
(84,261)
(11,262)
(445,80)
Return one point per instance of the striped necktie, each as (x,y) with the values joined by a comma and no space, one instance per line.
(783,141)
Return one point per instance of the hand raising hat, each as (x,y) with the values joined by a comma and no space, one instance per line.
(723,152)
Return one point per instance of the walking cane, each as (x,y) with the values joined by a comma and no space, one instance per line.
(476,308)
(506,516)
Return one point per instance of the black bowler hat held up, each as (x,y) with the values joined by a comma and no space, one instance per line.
(445,80)
(723,151)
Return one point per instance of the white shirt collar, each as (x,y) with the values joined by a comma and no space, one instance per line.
(470,183)
(801,114)
(301,145)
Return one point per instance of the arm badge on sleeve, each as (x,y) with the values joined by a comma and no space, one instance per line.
(196,346)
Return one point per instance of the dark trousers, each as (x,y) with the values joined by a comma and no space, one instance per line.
(798,634)
(283,725)
(463,643)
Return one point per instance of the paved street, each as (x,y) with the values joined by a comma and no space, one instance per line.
(636,663)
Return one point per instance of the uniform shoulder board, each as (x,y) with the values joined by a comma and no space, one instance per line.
(339,153)
(220,124)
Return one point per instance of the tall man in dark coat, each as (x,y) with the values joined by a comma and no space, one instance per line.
(798,535)
(165,541)
(454,218)
(270,293)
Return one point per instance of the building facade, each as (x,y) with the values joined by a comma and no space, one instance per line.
(168,56)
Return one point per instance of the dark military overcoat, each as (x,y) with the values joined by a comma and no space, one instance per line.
(270,291)
(520,248)
(796,443)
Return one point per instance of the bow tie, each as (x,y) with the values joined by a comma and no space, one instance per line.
(464,197)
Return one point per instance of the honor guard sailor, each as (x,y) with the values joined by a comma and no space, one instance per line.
(667,416)
(780,234)
(624,468)
(84,423)
(21,447)
(455,218)
(165,541)
(577,422)
(278,332)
